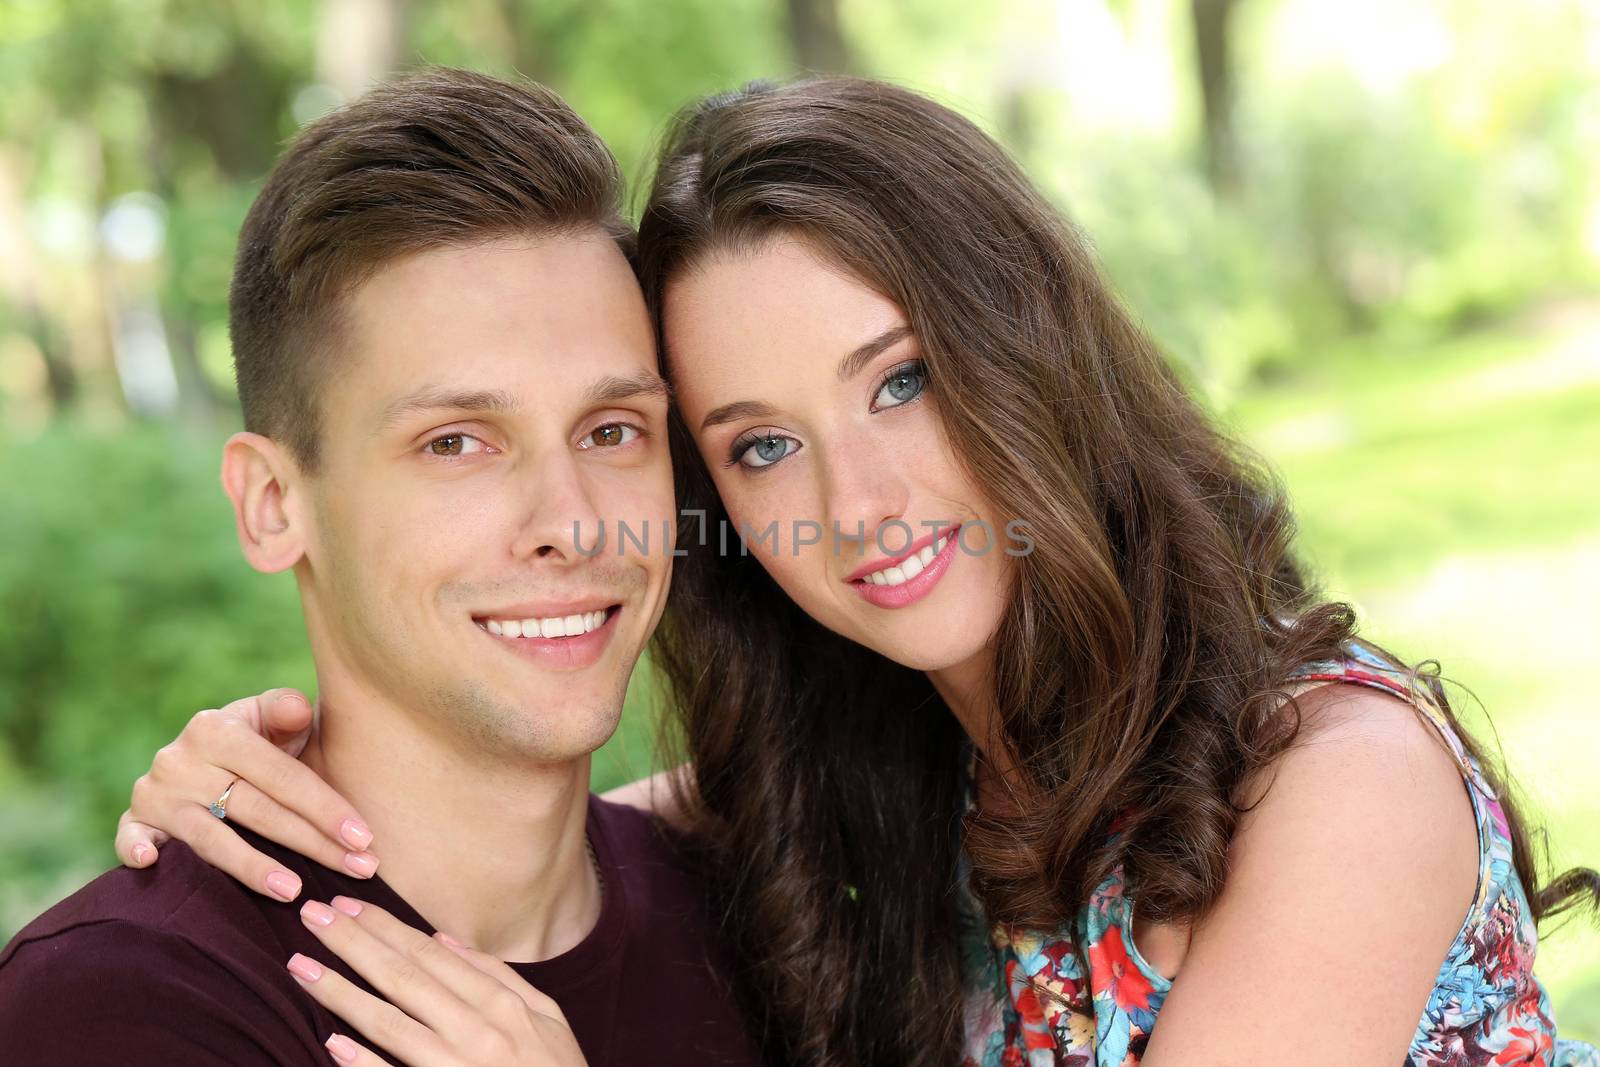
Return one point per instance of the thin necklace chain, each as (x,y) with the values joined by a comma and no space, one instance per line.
(594,861)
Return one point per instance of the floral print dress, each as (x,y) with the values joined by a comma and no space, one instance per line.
(1029,1003)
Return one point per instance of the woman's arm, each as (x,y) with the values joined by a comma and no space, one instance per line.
(254,740)
(257,740)
(1348,882)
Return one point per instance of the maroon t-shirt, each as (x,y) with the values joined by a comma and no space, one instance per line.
(179,964)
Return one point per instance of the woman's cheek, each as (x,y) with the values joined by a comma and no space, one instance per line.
(767,518)
(747,518)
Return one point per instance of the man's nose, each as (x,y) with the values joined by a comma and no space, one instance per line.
(559,520)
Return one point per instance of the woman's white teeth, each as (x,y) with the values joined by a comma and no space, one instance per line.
(909,567)
(558,626)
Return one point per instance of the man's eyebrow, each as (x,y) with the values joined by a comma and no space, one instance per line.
(613,389)
(739,409)
(851,365)
(491,401)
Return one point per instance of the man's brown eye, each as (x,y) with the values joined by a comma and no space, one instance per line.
(446,446)
(611,435)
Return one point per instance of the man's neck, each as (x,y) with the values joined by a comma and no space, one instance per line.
(491,851)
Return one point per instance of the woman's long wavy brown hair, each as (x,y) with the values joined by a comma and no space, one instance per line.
(1142,661)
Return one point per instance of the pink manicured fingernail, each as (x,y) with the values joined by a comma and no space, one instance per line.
(283,885)
(447,939)
(316,912)
(350,907)
(305,968)
(355,834)
(361,864)
(142,854)
(341,1048)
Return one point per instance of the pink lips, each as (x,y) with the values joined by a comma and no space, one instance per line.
(909,592)
(563,653)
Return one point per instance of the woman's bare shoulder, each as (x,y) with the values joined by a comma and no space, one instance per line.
(1348,876)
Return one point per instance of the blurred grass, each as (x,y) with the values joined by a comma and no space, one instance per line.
(1446,488)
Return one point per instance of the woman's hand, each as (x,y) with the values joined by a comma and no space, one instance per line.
(254,740)
(447,1005)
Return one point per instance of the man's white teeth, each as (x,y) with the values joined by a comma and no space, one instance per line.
(559,626)
(909,567)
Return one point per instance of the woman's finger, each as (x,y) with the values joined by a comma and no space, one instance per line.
(138,844)
(407,979)
(504,974)
(347,1050)
(471,984)
(231,743)
(286,719)
(381,1022)
(213,841)
(251,808)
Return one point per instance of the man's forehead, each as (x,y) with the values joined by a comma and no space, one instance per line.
(493,261)
(554,293)
(499,327)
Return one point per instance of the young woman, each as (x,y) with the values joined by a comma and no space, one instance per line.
(1089,750)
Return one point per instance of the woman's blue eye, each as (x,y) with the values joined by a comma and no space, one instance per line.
(764,451)
(903,385)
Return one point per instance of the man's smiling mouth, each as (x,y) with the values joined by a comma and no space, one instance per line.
(573,624)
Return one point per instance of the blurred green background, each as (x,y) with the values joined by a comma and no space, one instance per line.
(1369,232)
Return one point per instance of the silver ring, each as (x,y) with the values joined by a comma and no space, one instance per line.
(219,806)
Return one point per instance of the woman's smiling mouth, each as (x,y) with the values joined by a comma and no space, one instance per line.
(912,576)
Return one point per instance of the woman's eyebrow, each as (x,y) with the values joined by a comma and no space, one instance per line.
(851,365)
(739,409)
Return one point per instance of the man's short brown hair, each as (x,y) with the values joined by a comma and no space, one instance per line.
(442,158)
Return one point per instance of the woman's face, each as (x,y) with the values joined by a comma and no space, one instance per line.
(807,396)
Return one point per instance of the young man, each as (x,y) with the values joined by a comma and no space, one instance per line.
(446,370)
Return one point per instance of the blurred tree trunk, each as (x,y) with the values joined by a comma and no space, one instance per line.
(19,280)
(542,34)
(1017,127)
(816,39)
(198,401)
(219,115)
(1212,38)
(526,47)
(60,379)
(360,42)
(84,305)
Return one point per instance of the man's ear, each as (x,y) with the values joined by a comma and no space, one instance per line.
(258,476)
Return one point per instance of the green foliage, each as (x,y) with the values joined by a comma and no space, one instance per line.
(125,605)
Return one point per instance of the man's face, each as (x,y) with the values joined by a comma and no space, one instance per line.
(489,397)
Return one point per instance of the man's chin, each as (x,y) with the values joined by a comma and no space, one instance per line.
(540,720)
